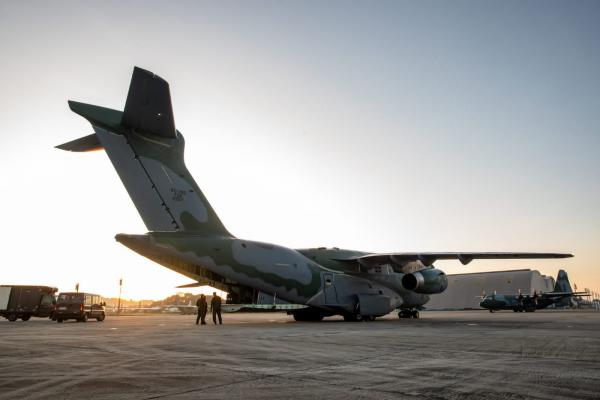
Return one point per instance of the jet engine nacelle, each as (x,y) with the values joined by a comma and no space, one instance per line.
(426,281)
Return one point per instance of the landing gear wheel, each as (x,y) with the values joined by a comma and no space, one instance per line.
(408,314)
(355,317)
(491,311)
(371,318)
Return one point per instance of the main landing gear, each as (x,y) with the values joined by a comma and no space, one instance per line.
(358,317)
(408,314)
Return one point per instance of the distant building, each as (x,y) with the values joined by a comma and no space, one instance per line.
(464,289)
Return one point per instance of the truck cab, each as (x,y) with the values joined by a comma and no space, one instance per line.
(79,306)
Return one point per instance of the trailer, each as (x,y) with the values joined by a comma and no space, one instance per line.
(26,301)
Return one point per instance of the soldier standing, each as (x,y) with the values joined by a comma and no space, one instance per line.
(215,306)
(202,308)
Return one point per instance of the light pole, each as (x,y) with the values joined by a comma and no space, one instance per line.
(120,288)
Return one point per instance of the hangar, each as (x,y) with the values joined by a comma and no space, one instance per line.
(464,290)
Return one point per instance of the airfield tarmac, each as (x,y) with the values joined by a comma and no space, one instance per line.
(443,355)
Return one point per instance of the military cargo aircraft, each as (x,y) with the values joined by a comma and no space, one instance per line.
(561,296)
(186,235)
(525,302)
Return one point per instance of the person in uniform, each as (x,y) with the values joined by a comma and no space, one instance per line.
(215,307)
(202,308)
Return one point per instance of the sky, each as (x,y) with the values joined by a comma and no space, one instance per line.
(377,126)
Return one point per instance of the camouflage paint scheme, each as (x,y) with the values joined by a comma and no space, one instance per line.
(186,235)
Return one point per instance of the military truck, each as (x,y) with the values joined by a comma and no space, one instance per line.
(26,301)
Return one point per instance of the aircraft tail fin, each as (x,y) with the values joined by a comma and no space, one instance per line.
(148,155)
(563,285)
(562,282)
(148,107)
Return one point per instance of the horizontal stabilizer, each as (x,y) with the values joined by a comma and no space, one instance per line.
(83,144)
(148,107)
(566,294)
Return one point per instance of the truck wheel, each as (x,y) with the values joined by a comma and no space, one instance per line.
(84,318)
(59,320)
(101,317)
(26,317)
(12,317)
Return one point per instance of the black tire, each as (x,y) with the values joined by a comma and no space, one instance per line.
(101,318)
(12,317)
(415,314)
(84,318)
(59,320)
(355,318)
(26,317)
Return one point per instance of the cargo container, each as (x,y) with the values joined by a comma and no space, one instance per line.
(26,301)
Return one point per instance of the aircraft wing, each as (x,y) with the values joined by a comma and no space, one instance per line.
(191,285)
(428,258)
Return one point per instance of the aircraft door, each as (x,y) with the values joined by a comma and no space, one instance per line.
(329,288)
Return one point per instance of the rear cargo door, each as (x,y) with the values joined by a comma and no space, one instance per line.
(4,296)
